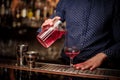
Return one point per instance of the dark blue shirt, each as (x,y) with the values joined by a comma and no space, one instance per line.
(89,24)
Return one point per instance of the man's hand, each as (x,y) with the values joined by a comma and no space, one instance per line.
(92,63)
(50,22)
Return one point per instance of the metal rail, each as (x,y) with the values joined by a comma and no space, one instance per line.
(65,70)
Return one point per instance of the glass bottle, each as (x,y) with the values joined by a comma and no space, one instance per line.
(2,13)
(18,18)
(23,13)
(37,9)
(50,34)
(30,12)
(8,15)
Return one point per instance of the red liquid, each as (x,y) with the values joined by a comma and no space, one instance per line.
(71,54)
(49,40)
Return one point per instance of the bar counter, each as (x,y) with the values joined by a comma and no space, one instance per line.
(65,70)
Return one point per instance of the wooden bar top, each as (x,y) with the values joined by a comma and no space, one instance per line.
(65,70)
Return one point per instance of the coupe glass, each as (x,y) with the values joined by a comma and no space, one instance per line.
(71,52)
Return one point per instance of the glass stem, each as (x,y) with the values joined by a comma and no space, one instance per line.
(71,62)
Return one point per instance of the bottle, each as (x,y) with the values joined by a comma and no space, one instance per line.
(2,13)
(30,9)
(50,34)
(23,13)
(45,10)
(8,15)
(37,9)
(18,18)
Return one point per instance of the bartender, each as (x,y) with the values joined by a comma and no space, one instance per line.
(94,25)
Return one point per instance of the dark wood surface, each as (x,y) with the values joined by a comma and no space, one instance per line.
(58,69)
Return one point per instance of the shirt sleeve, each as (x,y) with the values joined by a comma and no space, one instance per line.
(59,11)
(114,51)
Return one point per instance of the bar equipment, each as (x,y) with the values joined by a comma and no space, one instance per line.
(21,50)
(50,34)
(49,68)
(31,57)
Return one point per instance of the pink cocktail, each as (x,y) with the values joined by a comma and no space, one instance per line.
(71,52)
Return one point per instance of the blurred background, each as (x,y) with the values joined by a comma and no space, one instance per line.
(19,22)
